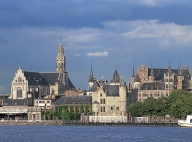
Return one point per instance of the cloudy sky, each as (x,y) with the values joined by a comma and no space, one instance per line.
(113,34)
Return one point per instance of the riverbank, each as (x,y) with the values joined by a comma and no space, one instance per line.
(93,124)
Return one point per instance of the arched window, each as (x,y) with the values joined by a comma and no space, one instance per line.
(19,92)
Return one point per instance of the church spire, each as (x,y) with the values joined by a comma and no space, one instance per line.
(133,71)
(152,70)
(91,78)
(60,60)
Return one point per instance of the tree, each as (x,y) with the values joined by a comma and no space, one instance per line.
(136,109)
(162,106)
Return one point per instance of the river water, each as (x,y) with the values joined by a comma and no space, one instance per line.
(93,133)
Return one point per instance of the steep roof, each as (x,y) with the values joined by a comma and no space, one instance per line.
(50,77)
(94,87)
(111,90)
(65,100)
(116,77)
(159,73)
(34,78)
(153,86)
(71,86)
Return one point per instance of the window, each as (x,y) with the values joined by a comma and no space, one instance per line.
(102,109)
(52,92)
(48,102)
(170,80)
(145,95)
(19,79)
(117,108)
(111,108)
(101,95)
(19,92)
(102,101)
(150,95)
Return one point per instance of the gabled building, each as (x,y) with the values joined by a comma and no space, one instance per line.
(158,82)
(42,84)
(109,101)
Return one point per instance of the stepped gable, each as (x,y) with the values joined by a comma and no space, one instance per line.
(159,73)
(64,100)
(111,90)
(116,77)
(153,86)
(34,78)
(94,87)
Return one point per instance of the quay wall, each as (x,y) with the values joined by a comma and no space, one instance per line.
(93,124)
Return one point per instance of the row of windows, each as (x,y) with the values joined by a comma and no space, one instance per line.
(42,102)
(155,95)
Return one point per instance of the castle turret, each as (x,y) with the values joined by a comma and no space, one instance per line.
(180,79)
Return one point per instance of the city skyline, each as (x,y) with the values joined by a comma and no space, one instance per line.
(112,34)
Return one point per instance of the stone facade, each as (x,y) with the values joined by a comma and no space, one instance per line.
(42,84)
(157,82)
(110,99)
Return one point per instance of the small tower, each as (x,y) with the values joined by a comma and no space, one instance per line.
(91,78)
(180,78)
(169,79)
(132,77)
(151,76)
(60,60)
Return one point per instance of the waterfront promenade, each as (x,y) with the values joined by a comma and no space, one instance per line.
(61,123)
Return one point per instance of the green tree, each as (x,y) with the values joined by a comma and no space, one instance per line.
(162,106)
(136,109)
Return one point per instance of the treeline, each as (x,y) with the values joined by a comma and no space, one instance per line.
(178,104)
(66,113)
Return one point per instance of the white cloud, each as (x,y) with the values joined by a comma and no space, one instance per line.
(97,54)
(78,55)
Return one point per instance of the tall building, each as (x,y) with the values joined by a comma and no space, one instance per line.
(42,84)
(157,82)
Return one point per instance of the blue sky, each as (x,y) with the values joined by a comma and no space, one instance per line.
(113,34)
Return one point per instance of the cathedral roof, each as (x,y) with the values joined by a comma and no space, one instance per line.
(111,90)
(116,77)
(65,100)
(35,78)
(50,77)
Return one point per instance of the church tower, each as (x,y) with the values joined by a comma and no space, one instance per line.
(60,60)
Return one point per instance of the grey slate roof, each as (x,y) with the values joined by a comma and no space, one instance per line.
(91,78)
(116,77)
(34,78)
(94,87)
(50,77)
(15,102)
(66,100)
(153,86)
(159,73)
(111,90)
(137,79)
(71,86)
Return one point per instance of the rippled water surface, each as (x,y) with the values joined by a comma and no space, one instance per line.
(93,133)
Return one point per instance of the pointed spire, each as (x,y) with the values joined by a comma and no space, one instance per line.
(133,72)
(91,78)
(60,41)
